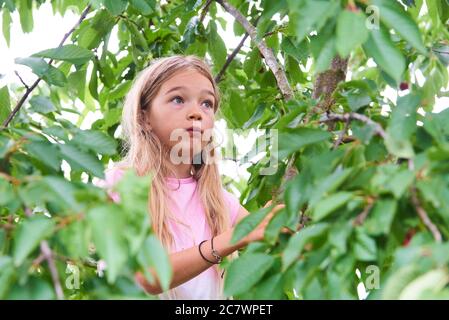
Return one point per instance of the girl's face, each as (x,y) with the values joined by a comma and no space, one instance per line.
(184,101)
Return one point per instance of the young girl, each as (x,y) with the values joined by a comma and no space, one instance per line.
(192,214)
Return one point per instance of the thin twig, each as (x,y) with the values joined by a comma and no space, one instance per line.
(34,85)
(205,9)
(356,116)
(21,80)
(364,214)
(420,210)
(268,54)
(233,54)
(48,255)
(342,133)
(424,216)
(230,58)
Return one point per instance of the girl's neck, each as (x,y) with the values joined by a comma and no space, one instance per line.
(182,170)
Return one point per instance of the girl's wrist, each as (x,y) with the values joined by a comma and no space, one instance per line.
(242,242)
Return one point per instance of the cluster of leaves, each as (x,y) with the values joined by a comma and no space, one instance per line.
(364,187)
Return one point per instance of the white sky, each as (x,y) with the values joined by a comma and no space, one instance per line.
(47,33)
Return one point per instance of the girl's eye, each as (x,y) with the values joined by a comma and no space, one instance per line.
(209,104)
(177,99)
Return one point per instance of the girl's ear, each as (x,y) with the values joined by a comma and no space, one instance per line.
(146,122)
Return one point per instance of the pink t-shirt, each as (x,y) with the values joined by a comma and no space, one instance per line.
(187,207)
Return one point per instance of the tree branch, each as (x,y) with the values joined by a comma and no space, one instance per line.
(34,85)
(21,80)
(355,116)
(327,81)
(230,58)
(268,54)
(420,210)
(364,214)
(424,216)
(342,133)
(47,254)
(233,54)
(203,13)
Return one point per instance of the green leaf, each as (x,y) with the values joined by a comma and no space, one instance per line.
(70,53)
(289,47)
(63,190)
(153,254)
(291,140)
(381,217)
(7,275)
(107,225)
(45,152)
(42,104)
(398,281)
(330,204)
(393,15)
(248,224)
(275,225)
(145,7)
(433,280)
(216,45)
(28,236)
(45,71)
(245,272)
(116,7)
(270,289)
(310,15)
(399,182)
(7,193)
(137,37)
(252,63)
(91,35)
(77,85)
(380,47)
(93,82)
(297,242)
(95,141)
(5,104)
(26,15)
(327,53)
(351,31)
(339,235)
(82,160)
(365,247)
(402,125)
(6,25)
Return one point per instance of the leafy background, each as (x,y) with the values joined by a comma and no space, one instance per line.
(365,177)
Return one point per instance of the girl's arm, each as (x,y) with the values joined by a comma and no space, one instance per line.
(188,263)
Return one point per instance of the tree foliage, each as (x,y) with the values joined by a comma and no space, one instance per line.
(365,177)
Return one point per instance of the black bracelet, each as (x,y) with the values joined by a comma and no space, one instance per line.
(199,248)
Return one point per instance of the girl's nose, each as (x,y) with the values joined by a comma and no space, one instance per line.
(194,113)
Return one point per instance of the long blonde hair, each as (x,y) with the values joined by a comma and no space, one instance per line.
(146,155)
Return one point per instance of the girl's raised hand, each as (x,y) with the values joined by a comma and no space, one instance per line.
(258,233)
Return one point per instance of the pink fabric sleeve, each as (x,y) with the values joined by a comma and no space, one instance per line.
(112,176)
(234,205)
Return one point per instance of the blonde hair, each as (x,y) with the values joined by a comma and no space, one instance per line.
(146,155)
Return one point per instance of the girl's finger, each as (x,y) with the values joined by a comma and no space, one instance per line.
(268,204)
(141,280)
(273,211)
(279,207)
(286,230)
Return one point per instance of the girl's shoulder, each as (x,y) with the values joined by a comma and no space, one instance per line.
(111,176)
(233,204)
